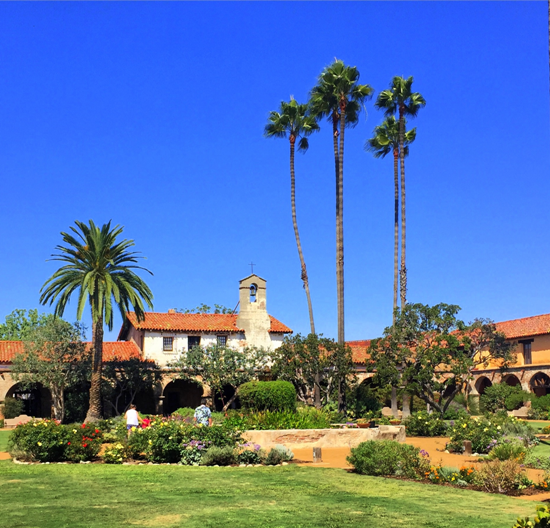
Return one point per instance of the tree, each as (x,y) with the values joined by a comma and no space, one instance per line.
(434,353)
(220,367)
(401,99)
(54,356)
(101,268)
(385,140)
(308,361)
(339,97)
(293,121)
(21,323)
(125,378)
(204,309)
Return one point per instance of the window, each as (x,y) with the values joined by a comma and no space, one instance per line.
(222,340)
(193,341)
(167,344)
(527,359)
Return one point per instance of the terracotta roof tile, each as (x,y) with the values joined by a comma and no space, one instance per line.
(527,326)
(359,350)
(207,323)
(112,350)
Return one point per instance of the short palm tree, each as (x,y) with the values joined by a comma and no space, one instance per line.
(385,140)
(101,269)
(339,97)
(293,121)
(401,99)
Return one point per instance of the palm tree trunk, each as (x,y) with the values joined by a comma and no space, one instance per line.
(403,273)
(340,248)
(297,234)
(95,410)
(396,232)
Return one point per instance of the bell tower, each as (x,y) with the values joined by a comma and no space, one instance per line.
(253,317)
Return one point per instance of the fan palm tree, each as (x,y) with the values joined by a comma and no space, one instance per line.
(385,140)
(293,121)
(339,97)
(401,99)
(101,269)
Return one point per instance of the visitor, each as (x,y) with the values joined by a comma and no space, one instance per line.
(203,416)
(132,419)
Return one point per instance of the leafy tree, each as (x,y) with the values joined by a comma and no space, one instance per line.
(100,268)
(123,379)
(204,309)
(293,121)
(54,356)
(385,140)
(220,366)
(339,97)
(433,353)
(401,99)
(21,323)
(306,361)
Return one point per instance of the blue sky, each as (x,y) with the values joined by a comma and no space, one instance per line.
(152,115)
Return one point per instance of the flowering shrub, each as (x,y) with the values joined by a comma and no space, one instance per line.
(164,439)
(484,434)
(388,457)
(191,452)
(250,453)
(424,424)
(458,477)
(115,454)
(42,440)
(83,442)
(501,476)
(509,449)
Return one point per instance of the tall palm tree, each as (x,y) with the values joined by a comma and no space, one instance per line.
(101,269)
(385,140)
(401,99)
(339,97)
(293,121)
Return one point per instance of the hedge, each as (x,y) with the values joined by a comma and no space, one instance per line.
(268,396)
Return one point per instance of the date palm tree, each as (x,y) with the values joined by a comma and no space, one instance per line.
(385,140)
(339,97)
(402,100)
(100,268)
(293,121)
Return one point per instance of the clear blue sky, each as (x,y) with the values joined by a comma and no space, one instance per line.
(152,115)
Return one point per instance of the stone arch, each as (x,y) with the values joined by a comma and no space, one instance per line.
(482,384)
(511,379)
(37,401)
(181,393)
(540,384)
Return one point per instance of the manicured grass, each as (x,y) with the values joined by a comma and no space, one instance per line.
(4,435)
(539,426)
(543,449)
(94,495)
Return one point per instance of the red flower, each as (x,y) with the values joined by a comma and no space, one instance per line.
(97,430)
(83,426)
(68,443)
(84,445)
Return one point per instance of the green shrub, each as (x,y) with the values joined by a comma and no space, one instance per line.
(387,458)
(423,424)
(536,461)
(455,413)
(268,396)
(192,452)
(41,440)
(274,458)
(303,418)
(499,476)
(286,452)
(83,442)
(365,401)
(484,434)
(219,456)
(1,423)
(251,454)
(12,408)
(184,412)
(503,397)
(540,406)
(541,519)
(512,426)
(114,454)
(509,449)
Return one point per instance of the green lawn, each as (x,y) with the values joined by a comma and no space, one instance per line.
(4,440)
(538,426)
(285,497)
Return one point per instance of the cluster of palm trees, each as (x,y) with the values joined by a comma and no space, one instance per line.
(339,98)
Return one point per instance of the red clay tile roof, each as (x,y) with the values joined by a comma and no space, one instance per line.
(527,326)
(359,350)
(112,350)
(207,323)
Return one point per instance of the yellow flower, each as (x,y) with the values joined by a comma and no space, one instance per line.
(498,427)
(465,425)
(150,442)
(74,431)
(39,443)
(34,424)
(486,429)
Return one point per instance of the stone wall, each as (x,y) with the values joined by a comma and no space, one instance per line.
(298,438)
